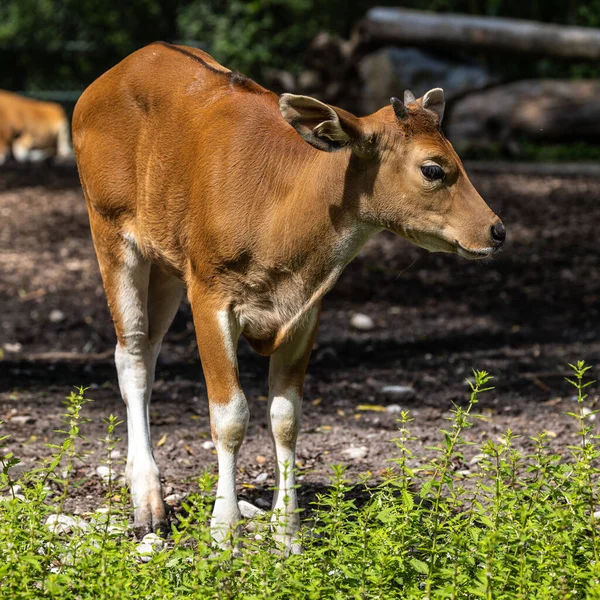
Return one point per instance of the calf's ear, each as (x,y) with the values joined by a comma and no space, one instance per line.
(434,101)
(322,126)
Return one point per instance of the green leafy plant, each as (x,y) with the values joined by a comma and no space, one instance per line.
(503,523)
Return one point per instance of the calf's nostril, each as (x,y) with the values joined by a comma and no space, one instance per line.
(498,233)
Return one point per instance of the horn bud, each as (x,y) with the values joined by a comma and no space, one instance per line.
(399,108)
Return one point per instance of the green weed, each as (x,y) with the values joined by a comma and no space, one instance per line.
(514,524)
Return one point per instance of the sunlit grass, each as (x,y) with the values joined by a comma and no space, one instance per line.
(516,524)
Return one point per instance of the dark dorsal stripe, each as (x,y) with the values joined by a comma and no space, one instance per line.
(235,78)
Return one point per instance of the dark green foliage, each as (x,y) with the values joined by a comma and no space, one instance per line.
(65,44)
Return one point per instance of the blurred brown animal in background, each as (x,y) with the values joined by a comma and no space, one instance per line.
(32,130)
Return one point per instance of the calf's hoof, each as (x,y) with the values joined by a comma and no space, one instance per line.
(159,527)
(151,518)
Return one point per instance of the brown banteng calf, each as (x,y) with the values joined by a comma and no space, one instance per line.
(197,178)
(32,129)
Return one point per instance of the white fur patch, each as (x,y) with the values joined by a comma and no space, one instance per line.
(136,372)
(225,319)
(284,416)
(63,145)
(20,153)
(133,296)
(229,422)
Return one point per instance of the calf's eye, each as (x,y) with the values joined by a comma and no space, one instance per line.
(432,172)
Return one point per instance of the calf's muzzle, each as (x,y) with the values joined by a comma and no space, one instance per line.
(498,234)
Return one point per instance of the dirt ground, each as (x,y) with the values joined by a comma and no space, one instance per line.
(521,316)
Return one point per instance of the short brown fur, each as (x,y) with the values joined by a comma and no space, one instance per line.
(191,172)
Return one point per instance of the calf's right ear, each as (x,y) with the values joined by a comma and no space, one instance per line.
(322,126)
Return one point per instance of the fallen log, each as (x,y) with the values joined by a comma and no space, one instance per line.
(401,26)
(547,110)
(391,70)
(587,169)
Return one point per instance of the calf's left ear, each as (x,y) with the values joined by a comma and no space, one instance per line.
(322,126)
(434,101)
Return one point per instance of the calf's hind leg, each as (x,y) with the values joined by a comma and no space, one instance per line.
(143,302)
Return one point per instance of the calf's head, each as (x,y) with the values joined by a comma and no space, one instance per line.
(417,185)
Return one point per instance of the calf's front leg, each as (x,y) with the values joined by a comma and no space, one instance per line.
(287,369)
(217,334)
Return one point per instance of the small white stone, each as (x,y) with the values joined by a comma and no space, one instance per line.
(11,497)
(249,511)
(597,515)
(65,524)
(261,477)
(116,529)
(399,391)
(115,454)
(16,347)
(145,551)
(393,408)
(102,521)
(45,548)
(362,322)
(477,458)
(56,316)
(208,445)
(356,452)
(174,499)
(22,419)
(106,473)
(153,540)
(586,411)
